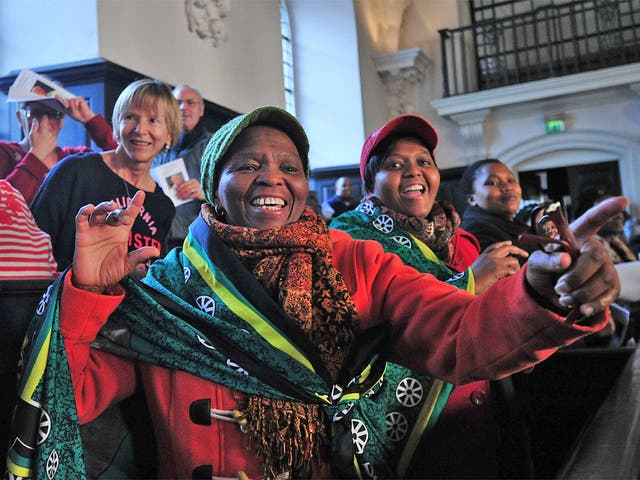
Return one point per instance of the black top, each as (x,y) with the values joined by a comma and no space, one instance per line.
(489,228)
(85,178)
(340,206)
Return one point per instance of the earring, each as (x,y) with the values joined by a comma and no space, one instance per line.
(167,147)
(219,211)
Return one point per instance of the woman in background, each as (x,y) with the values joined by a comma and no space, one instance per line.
(146,120)
(494,196)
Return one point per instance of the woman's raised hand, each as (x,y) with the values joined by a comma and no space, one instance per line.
(589,281)
(101,258)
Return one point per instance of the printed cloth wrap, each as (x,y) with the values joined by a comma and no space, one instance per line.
(368,222)
(378,413)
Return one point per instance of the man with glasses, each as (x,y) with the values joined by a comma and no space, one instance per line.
(26,163)
(190,147)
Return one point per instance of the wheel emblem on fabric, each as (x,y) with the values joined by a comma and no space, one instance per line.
(206,304)
(336,392)
(409,392)
(402,240)
(340,414)
(397,426)
(205,342)
(236,367)
(187,274)
(366,208)
(52,464)
(457,277)
(369,471)
(44,300)
(359,435)
(384,223)
(44,428)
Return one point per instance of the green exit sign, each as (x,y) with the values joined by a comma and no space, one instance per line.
(555,126)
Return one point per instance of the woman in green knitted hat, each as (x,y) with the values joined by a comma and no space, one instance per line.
(261,344)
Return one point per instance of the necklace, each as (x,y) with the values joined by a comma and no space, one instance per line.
(126,187)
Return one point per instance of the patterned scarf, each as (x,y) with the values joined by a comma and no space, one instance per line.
(293,263)
(435,230)
(407,237)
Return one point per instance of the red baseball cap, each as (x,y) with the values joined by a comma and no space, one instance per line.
(404,124)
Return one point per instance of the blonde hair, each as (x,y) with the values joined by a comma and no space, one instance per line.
(147,94)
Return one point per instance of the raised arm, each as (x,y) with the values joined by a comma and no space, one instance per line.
(96,125)
(101,258)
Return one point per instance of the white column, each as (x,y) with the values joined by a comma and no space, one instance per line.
(402,73)
(472,129)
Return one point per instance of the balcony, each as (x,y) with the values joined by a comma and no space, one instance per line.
(547,42)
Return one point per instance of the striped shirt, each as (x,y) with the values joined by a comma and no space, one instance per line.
(25,250)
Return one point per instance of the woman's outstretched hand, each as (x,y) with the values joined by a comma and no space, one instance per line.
(589,281)
(101,256)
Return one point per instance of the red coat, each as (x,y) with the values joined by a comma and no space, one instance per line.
(26,172)
(436,328)
(466,249)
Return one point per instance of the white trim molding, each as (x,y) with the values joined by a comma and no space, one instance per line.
(539,90)
(536,152)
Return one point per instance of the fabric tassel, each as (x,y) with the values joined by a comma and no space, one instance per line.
(286,436)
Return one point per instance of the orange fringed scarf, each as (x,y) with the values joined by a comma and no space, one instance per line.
(293,264)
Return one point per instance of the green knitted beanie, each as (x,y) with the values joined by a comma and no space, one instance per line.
(225,136)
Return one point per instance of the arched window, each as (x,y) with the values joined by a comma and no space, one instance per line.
(287,59)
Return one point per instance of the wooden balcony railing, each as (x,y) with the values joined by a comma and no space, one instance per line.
(549,41)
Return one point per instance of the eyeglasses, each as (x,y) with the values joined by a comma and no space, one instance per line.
(52,114)
(189,101)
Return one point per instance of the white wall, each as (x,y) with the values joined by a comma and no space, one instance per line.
(327,80)
(152,37)
(420,25)
(37,33)
(241,73)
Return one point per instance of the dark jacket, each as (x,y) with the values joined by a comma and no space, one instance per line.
(489,228)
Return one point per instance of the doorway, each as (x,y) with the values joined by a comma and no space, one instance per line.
(565,184)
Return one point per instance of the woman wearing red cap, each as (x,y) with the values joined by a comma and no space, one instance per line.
(400,212)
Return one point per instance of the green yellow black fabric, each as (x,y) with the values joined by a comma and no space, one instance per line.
(369,223)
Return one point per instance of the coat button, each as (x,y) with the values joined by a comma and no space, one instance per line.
(202,472)
(200,411)
(478,397)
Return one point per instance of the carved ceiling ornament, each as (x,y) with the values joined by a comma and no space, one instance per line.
(206,18)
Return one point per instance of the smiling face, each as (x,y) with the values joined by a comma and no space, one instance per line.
(408,179)
(262,180)
(143,132)
(496,190)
